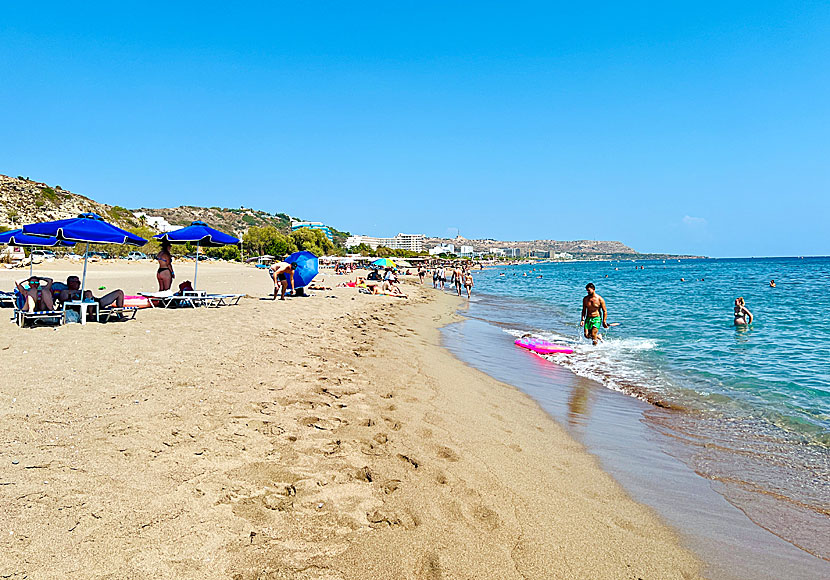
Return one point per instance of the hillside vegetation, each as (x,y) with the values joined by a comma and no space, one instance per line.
(25,201)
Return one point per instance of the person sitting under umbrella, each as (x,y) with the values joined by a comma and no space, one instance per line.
(73,292)
(37,293)
(281,273)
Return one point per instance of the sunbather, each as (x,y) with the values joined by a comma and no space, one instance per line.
(392,289)
(37,293)
(73,292)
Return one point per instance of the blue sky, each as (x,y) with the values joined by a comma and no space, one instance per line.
(695,128)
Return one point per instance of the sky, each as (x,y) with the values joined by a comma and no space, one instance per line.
(699,128)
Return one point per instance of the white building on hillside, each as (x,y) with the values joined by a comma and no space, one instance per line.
(410,242)
(442,249)
(158,223)
(466,251)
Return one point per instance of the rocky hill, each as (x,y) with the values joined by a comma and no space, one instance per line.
(24,201)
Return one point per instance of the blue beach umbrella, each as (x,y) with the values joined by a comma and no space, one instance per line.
(306,270)
(89,228)
(201,234)
(18,238)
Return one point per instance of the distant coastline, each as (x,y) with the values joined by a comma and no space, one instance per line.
(24,200)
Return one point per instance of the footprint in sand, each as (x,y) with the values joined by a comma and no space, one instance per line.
(429,568)
(322,424)
(410,460)
(486,517)
(447,453)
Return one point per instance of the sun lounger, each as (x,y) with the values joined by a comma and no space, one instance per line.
(7,299)
(217,300)
(124,313)
(21,317)
(168,299)
(162,298)
(51,316)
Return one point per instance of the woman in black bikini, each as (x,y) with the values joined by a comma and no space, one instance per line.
(165,272)
(743,316)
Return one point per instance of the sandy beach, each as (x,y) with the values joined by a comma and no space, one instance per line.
(323,437)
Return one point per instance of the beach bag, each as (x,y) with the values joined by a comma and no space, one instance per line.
(73,316)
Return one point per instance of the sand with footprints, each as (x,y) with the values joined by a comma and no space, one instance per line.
(322,437)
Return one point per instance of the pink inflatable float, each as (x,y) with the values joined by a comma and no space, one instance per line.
(540,346)
(137,302)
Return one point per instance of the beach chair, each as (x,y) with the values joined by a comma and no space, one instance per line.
(123,313)
(161,299)
(168,299)
(7,300)
(21,317)
(217,300)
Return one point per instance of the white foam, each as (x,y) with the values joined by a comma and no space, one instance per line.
(614,362)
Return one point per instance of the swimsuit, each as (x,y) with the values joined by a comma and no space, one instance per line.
(282,277)
(593,322)
(160,270)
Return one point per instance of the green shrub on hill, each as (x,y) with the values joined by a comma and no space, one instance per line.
(47,194)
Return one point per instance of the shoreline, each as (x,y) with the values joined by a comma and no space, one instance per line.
(622,432)
(315,438)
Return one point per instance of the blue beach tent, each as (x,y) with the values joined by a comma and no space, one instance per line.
(201,234)
(88,228)
(307,268)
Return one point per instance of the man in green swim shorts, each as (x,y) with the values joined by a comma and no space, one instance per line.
(594,314)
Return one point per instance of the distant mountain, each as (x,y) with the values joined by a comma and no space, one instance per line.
(23,201)
(580,249)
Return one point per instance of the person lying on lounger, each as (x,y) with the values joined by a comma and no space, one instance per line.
(73,292)
(37,293)
(392,289)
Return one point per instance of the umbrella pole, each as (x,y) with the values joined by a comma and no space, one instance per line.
(31,263)
(83,285)
(196,275)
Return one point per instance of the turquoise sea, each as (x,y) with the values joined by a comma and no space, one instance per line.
(749,406)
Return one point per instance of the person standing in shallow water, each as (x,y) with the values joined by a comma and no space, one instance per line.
(594,314)
(743,316)
(164,274)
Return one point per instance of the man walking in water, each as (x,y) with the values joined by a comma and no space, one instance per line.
(592,304)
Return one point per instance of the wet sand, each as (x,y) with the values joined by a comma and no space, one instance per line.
(313,438)
(633,444)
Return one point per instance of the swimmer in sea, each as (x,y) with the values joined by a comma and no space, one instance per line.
(594,314)
(743,316)
(772,283)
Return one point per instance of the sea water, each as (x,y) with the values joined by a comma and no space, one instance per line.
(750,406)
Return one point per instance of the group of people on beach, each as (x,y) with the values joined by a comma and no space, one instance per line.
(44,294)
(460,276)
